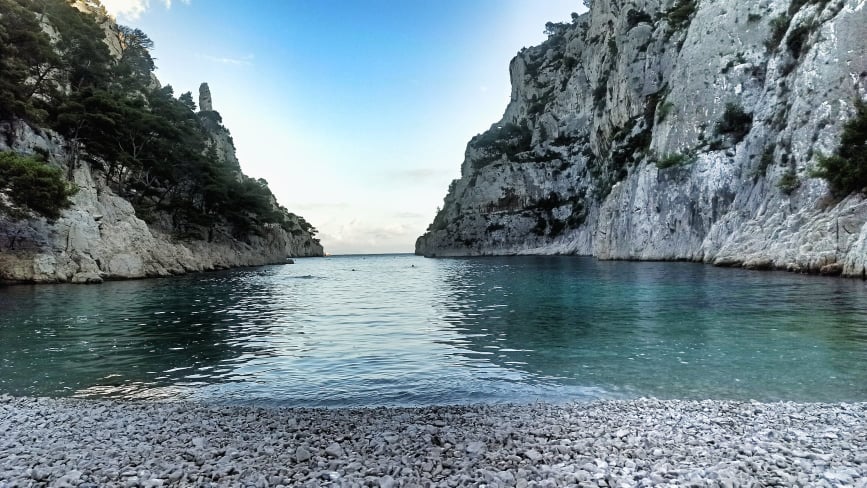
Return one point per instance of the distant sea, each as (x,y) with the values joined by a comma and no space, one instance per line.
(404,330)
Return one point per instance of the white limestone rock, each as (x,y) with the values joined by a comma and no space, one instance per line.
(621,89)
(100,237)
(205,102)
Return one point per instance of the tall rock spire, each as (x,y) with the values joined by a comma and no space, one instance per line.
(205,103)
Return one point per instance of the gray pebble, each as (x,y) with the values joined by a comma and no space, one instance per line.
(386,482)
(533,455)
(638,443)
(302,454)
(334,450)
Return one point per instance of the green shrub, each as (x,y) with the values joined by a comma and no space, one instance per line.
(735,122)
(579,212)
(846,170)
(32,187)
(612,48)
(664,110)
(779,26)
(536,108)
(789,182)
(673,160)
(555,28)
(635,17)
(550,202)
(211,116)
(495,137)
(765,162)
(798,37)
(565,139)
(556,227)
(680,15)
(508,139)
(600,93)
(531,68)
(541,226)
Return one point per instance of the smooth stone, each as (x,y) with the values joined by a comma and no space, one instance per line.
(533,455)
(302,454)
(334,450)
(386,482)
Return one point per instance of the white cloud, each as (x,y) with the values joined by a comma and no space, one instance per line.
(245,61)
(129,9)
(369,236)
(132,9)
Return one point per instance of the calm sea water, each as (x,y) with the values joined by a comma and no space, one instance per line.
(403,330)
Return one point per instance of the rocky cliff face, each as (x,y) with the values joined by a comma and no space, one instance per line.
(672,130)
(100,236)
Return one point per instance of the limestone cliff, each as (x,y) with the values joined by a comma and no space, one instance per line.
(672,130)
(102,236)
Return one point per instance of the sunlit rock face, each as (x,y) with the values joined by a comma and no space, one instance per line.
(674,131)
(101,237)
(206,104)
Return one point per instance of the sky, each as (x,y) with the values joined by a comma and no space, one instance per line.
(357,113)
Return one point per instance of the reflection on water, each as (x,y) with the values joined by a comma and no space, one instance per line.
(379,330)
(669,329)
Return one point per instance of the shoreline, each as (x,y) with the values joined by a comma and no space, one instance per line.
(644,442)
(825,271)
(112,278)
(733,264)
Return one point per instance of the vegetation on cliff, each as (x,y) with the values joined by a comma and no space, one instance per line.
(846,170)
(30,187)
(153,148)
(679,130)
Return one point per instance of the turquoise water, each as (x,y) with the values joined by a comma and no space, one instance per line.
(403,330)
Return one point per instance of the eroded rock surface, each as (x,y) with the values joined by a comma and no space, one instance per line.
(101,237)
(615,142)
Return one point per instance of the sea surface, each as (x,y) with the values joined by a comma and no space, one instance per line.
(404,330)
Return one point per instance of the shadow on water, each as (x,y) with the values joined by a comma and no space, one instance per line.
(142,338)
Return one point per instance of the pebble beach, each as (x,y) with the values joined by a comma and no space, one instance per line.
(645,442)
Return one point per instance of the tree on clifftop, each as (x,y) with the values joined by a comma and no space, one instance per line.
(26,61)
(152,148)
(135,64)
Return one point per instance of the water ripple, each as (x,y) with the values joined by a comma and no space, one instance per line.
(401,330)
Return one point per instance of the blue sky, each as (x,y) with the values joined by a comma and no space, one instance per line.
(357,113)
